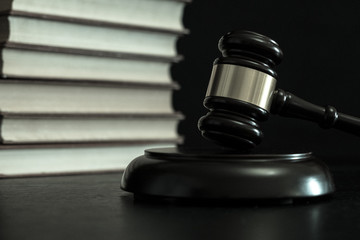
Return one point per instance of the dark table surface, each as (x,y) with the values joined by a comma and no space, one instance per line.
(93,207)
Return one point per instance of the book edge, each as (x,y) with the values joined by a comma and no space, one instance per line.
(88,52)
(90,22)
(99,144)
(58,174)
(12,79)
(175,115)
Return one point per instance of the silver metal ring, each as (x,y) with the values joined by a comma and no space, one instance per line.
(242,83)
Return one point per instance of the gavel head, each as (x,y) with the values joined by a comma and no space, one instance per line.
(240,90)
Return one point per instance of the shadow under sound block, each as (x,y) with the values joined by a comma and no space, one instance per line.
(214,175)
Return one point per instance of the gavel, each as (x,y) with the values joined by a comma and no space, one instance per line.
(242,92)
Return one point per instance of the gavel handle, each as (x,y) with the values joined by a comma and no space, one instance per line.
(288,105)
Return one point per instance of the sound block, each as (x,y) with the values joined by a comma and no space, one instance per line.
(221,175)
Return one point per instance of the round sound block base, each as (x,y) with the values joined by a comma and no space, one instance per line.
(198,175)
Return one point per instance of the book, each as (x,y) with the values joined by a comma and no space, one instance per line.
(85,85)
(35,29)
(149,13)
(62,128)
(62,159)
(33,96)
(29,61)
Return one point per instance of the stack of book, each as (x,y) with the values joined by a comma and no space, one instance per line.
(85,84)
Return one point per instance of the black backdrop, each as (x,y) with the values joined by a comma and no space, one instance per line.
(321,44)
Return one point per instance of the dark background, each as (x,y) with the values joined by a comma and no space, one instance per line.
(321,45)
